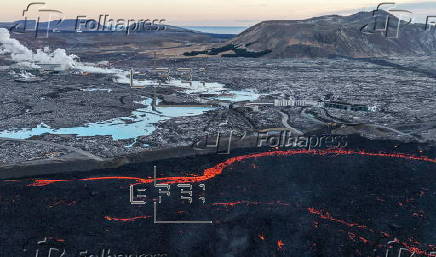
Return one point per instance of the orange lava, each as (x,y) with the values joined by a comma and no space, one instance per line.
(212,172)
(218,169)
(126,219)
(327,216)
(353,237)
(280,244)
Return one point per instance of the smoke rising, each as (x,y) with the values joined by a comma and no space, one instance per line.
(27,58)
(22,54)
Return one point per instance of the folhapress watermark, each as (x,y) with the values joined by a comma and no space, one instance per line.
(50,247)
(388,20)
(276,137)
(395,248)
(36,12)
(286,139)
(105,23)
(110,253)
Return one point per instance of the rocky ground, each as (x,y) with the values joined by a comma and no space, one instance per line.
(403,90)
(327,204)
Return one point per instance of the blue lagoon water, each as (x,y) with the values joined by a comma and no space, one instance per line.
(141,121)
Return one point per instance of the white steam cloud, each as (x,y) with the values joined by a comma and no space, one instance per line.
(27,58)
(22,54)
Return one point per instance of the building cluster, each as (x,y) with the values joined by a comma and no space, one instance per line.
(311,103)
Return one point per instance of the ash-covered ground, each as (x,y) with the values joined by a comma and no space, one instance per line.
(261,202)
(401,88)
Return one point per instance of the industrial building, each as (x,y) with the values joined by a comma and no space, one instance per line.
(311,103)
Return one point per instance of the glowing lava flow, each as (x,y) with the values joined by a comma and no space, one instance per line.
(218,169)
(280,244)
(327,216)
(126,219)
(45,182)
(210,173)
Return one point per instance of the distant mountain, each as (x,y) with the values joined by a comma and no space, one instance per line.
(218,29)
(71,25)
(30,25)
(5,24)
(333,35)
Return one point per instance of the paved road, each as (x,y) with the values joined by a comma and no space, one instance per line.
(285,119)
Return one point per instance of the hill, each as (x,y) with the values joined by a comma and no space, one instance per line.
(331,35)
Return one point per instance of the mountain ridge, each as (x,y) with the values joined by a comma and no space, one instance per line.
(335,35)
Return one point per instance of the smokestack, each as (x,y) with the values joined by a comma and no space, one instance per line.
(131,77)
